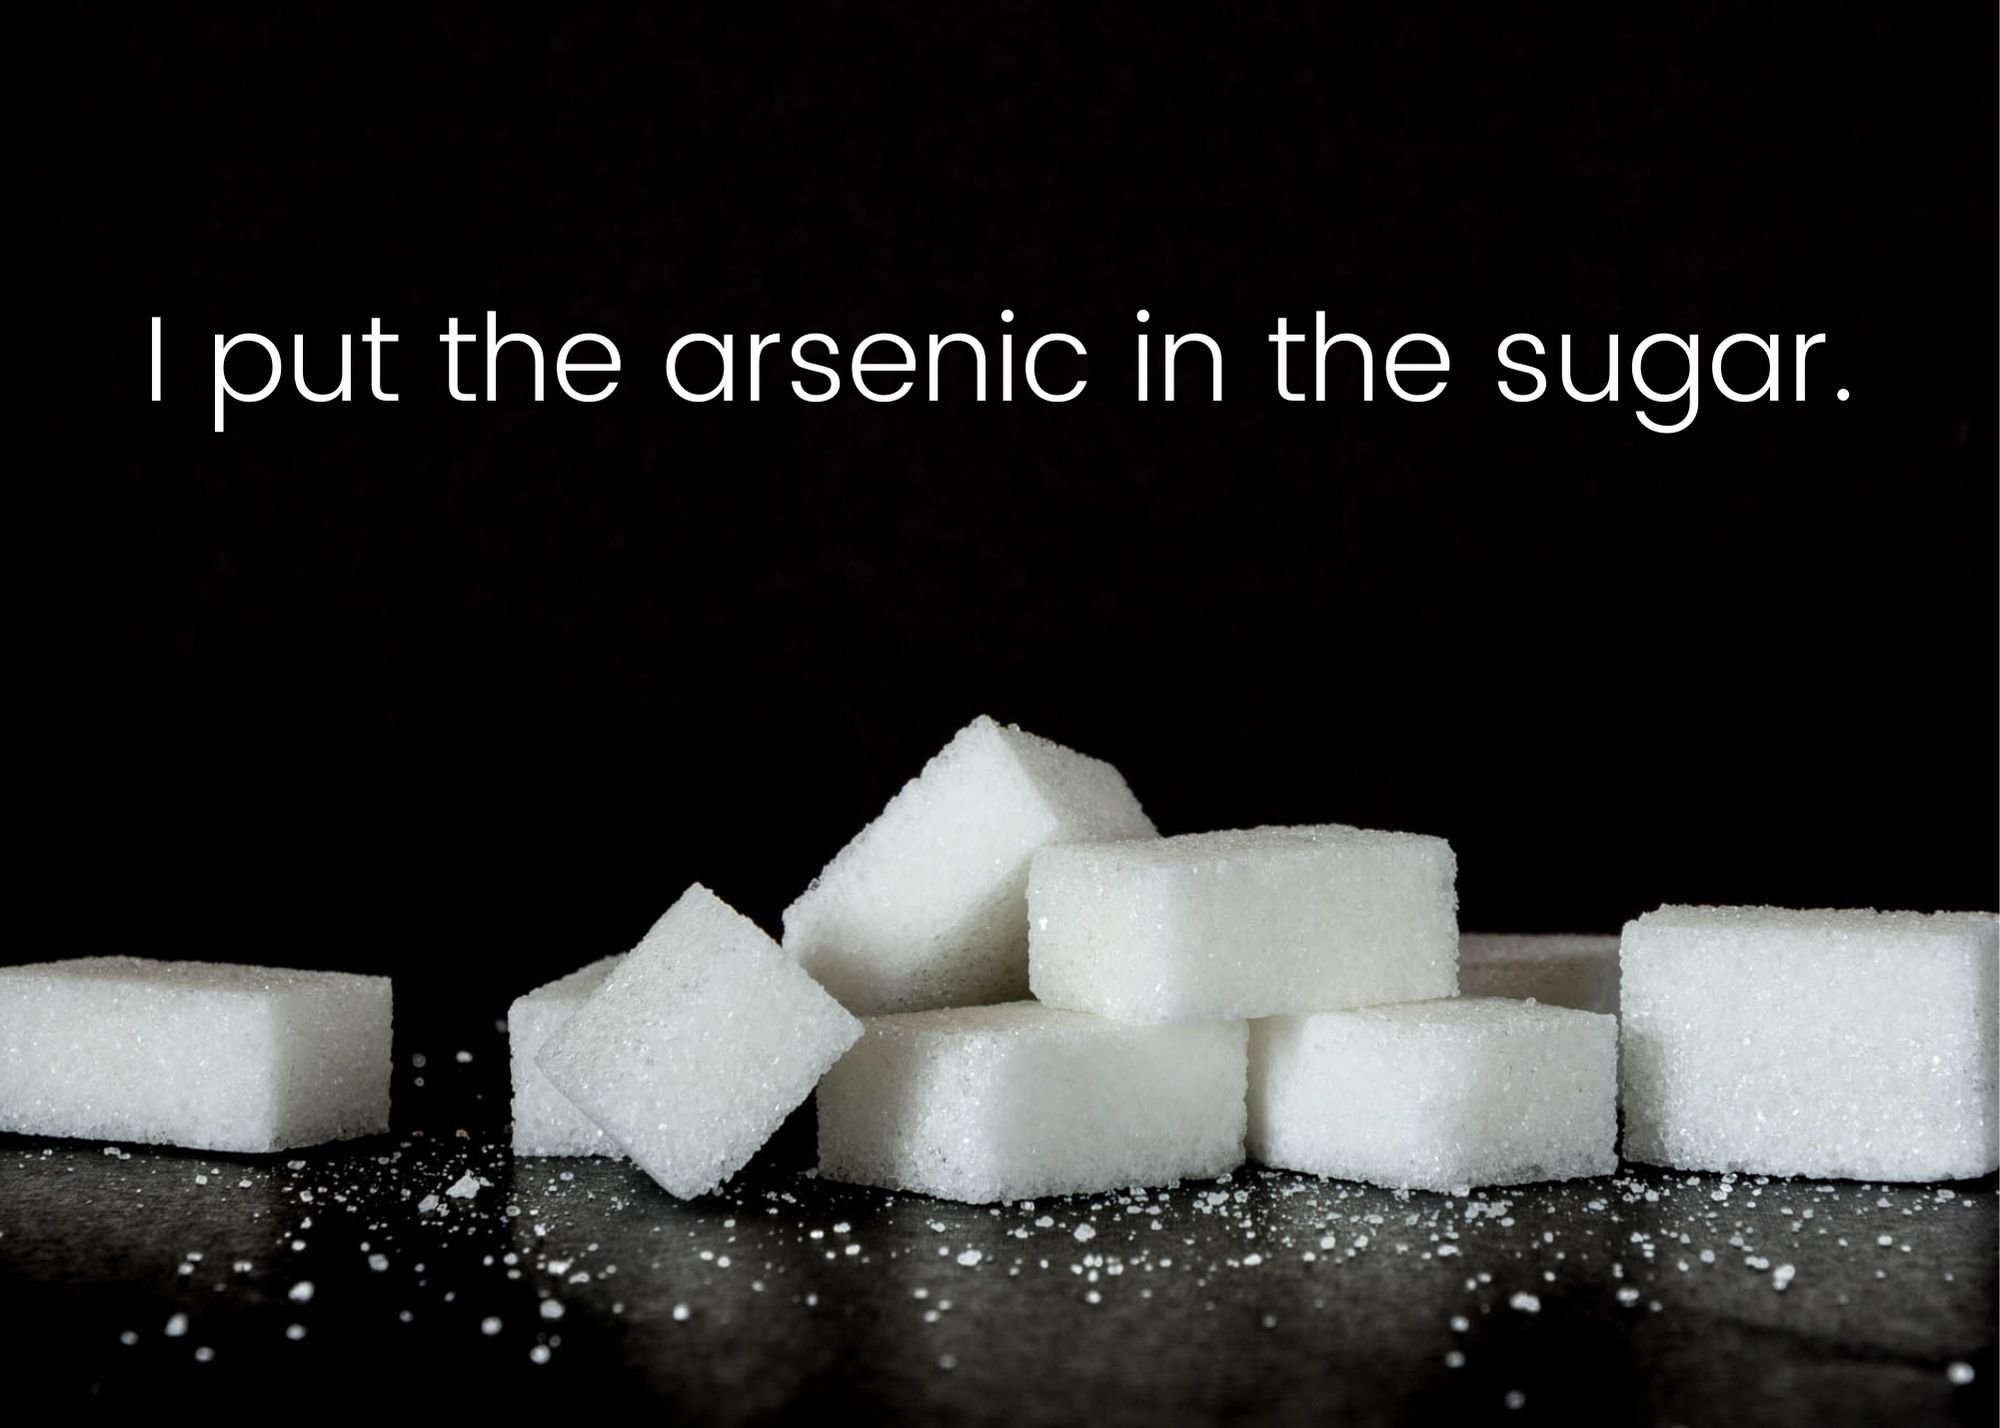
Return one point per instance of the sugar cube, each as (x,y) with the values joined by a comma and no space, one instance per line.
(1436,1095)
(196,1054)
(1022,1100)
(1564,971)
(545,1123)
(1223,926)
(1852,1044)
(926,907)
(695,1047)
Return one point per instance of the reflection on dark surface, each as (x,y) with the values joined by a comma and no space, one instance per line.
(1268,1295)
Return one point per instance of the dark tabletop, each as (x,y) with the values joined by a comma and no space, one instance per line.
(1649,1296)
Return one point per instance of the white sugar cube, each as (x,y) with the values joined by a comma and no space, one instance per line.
(1222,926)
(926,906)
(1022,1100)
(545,1123)
(1564,971)
(1849,1044)
(1437,1095)
(194,1054)
(695,1047)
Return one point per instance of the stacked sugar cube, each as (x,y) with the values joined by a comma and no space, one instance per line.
(1018,1100)
(1292,986)
(1054,999)
(1008,985)
(688,1054)
(1167,977)
(1147,961)
(926,907)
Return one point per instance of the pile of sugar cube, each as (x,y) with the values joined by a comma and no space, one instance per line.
(1009,985)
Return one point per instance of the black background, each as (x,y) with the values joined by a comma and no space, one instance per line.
(468,693)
